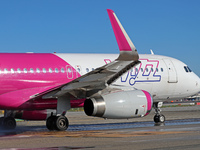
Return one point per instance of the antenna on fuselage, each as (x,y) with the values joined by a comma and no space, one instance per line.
(152,53)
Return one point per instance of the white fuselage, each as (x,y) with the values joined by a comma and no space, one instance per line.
(164,77)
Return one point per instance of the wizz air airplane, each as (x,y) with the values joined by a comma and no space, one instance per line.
(128,85)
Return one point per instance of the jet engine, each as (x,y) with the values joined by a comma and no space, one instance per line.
(119,104)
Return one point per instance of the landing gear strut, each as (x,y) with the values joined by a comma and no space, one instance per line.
(59,123)
(158,118)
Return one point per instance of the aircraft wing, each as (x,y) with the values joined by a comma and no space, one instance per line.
(93,81)
(101,77)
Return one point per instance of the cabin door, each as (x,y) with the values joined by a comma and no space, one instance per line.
(172,74)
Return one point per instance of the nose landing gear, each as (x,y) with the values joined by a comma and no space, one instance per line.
(158,118)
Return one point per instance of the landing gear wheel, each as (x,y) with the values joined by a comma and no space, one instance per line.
(162,118)
(1,122)
(61,123)
(50,123)
(156,118)
(9,123)
(159,118)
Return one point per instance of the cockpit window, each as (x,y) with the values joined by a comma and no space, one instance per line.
(187,69)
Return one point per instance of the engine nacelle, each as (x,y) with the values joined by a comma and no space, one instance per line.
(119,104)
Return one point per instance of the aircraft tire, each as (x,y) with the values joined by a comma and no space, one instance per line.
(162,118)
(61,123)
(9,123)
(159,118)
(156,118)
(1,122)
(50,123)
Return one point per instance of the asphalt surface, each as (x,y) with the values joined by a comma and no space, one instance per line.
(180,131)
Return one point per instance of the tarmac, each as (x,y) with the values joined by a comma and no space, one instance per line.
(180,131)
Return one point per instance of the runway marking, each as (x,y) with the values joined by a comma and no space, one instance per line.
(50,148)
(100,134)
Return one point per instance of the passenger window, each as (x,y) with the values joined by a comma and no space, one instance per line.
(25,70)
(50,70)
(141,69)
(5,70)
(87,70)
(151,69)
(69,70)
(56,70)
(31,70)
(92,69)
(38,70)
(62,70)
(12,70)
(18,70)
(136,70)
(161,69)
(44,70)
(147,70)
(78,69)
(156,69)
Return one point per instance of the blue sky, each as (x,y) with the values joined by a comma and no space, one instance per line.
(170,27)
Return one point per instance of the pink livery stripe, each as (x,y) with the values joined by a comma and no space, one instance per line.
(149,101)
(118,30)
(23,76)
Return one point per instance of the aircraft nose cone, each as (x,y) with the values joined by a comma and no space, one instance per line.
(198,84)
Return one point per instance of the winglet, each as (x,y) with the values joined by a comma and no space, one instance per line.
(127,49)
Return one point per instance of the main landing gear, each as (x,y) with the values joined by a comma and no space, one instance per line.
(158,118)
(7,122)
(59,123)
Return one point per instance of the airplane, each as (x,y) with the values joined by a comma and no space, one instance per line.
(40,86)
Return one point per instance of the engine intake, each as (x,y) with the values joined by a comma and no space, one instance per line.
(95,106)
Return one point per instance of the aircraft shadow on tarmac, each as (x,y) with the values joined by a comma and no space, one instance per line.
(104,126)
